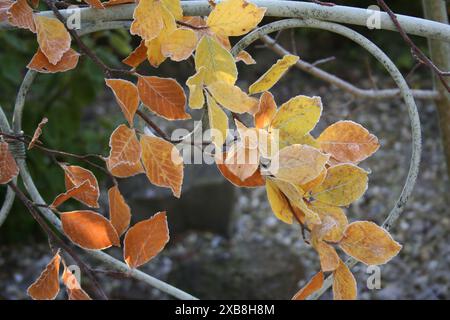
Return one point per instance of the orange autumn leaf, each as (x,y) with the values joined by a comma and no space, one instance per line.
(344,283)
(163,163)
(119,211)
(125,170)
(76,191)
(312,286)
(145,240)
(348,141)
(75,176)
(369,243)
(127,97)
(20,15)
(53,38)
(89,230)
(46,287)
(137,56)
(267,108)
(74,290)
(164,96)
(4,7)
(37,133)
(329,259)
(125,147)
(40,63)
(255,180)
(97,4)
(112,3)
(8,165)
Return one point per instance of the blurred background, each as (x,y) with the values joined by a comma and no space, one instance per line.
(225,241)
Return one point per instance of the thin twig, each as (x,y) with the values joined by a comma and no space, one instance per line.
(52,236)
(416,52)
(83,47)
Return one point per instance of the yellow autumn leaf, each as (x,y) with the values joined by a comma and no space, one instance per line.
(154,54)
(271,76)
(174,7)
(195,85)
(218,122)
(278,202)
(232,97)
(333,222)
(344,283)
(179,44)
(147,19)
(348,141)
(295,196)
(234,17)
(154,46)
(217,60)
(297,117)
(343,184)
(369,243)
(298,163)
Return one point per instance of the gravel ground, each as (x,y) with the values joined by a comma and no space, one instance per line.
(421,270)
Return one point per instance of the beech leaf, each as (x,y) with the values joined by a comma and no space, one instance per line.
(369,243)
(163,163)
(127,97)
(46,287)
(145,240)
(89,230)
(164,96)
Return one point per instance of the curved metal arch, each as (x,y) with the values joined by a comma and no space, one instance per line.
(244,42)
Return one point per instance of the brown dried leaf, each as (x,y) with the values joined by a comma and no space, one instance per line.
(89,230)
(369,243)
(119,211)
(8,164)
(37,133)
(46,287)
(145,240)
